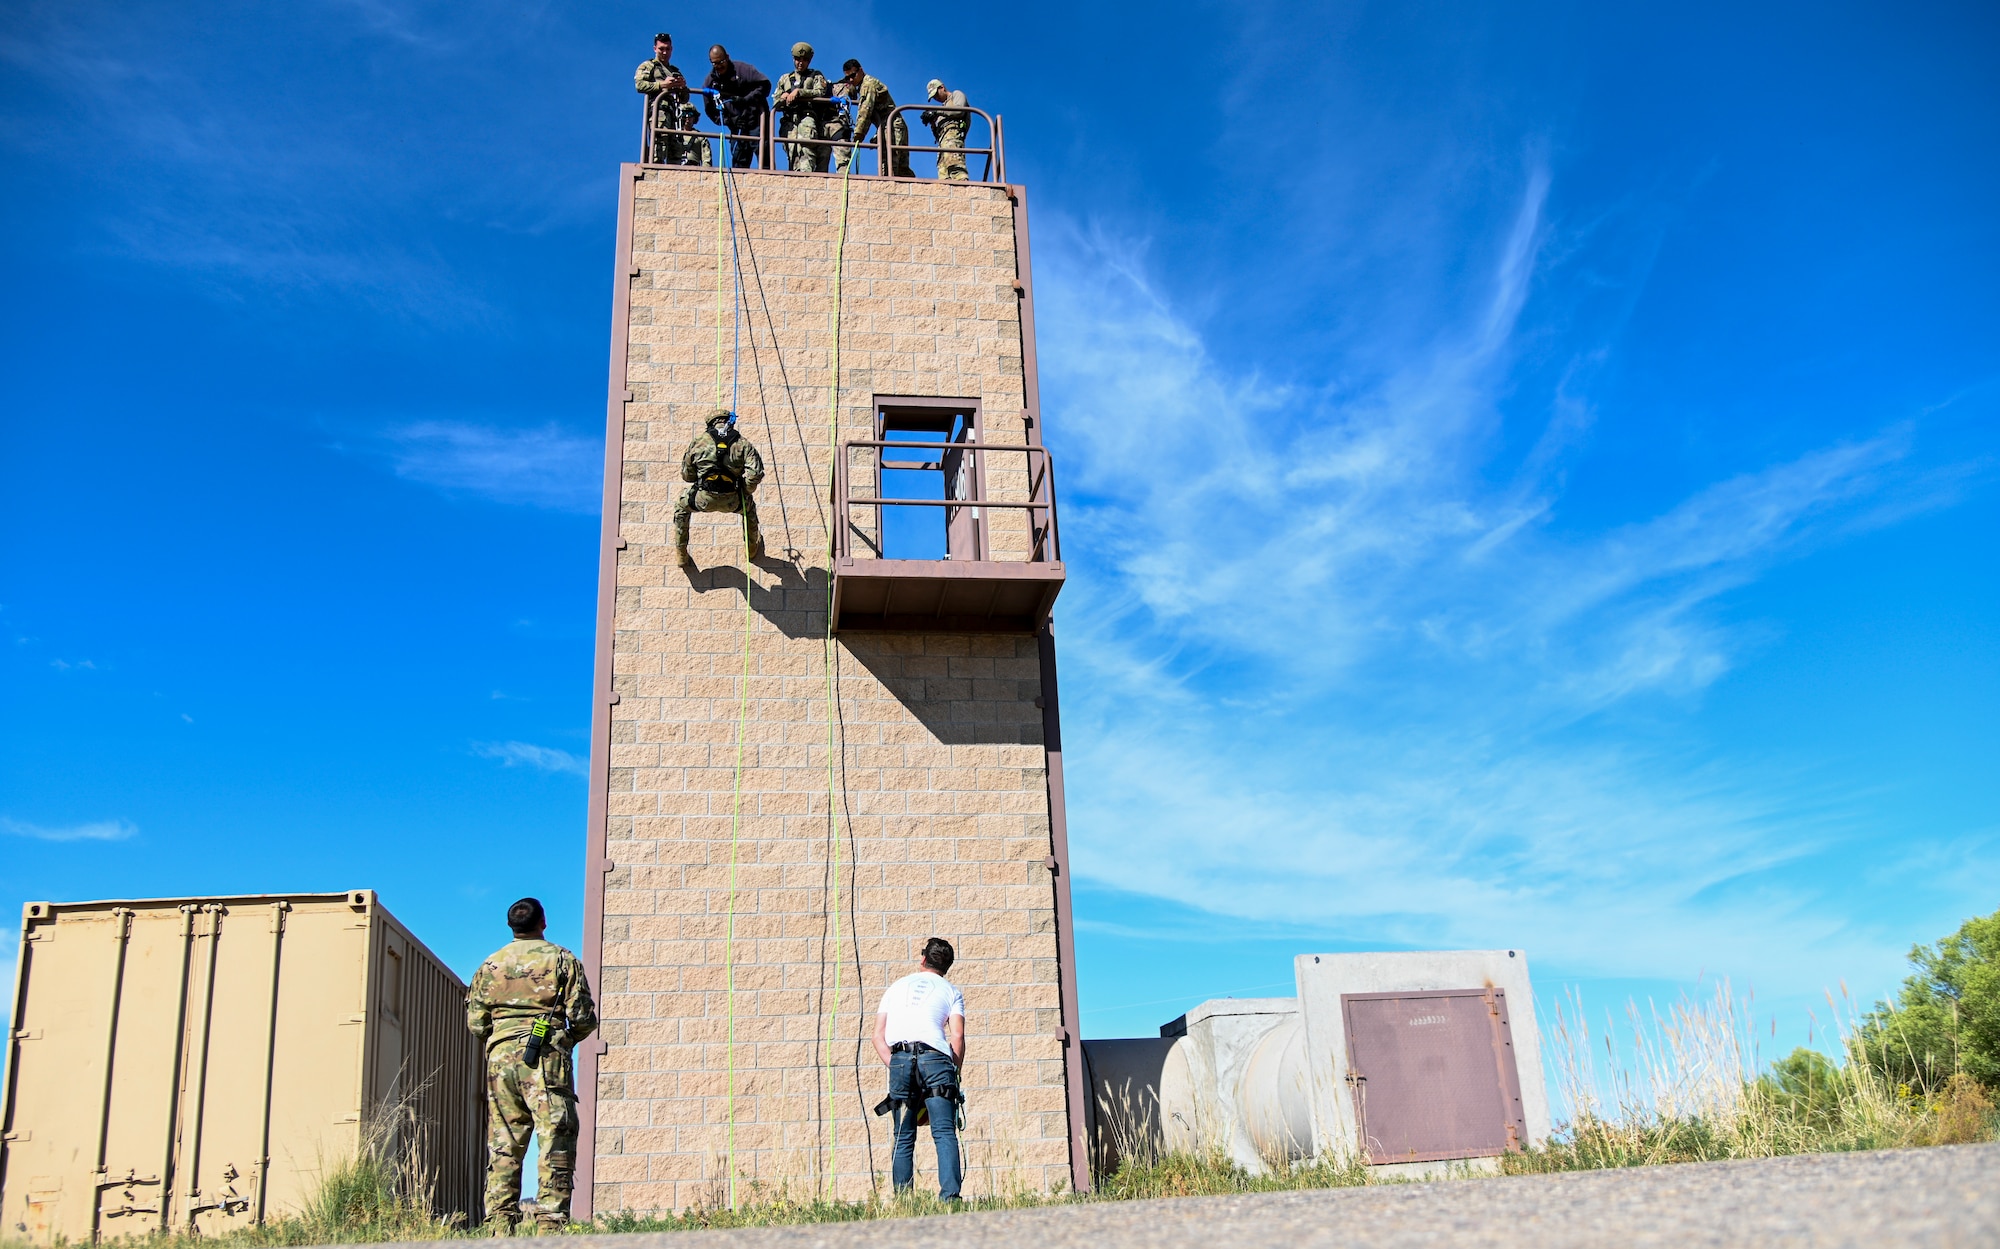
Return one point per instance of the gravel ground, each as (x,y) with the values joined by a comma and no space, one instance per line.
(1944,1197)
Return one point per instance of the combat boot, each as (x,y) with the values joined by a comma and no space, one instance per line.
(757,547)
(499,1225)
(550,1224)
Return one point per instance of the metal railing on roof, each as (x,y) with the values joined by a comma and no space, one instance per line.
(721,142)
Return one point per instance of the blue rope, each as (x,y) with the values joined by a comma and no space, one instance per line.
(736,263)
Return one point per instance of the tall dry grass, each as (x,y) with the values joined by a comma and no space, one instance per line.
(1683,1085)
(1690,1086)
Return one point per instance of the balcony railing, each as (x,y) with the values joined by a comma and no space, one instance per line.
(987,582)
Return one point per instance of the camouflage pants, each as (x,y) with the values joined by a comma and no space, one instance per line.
(802,156)
(951,165)
(839,158)
(899,145)
(680,149)
(519,1100)
(698,500)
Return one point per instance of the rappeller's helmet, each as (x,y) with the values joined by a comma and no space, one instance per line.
(721,424)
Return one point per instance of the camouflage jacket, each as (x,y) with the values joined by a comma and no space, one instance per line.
(812,98)
(526,980)
(873,105)
(736,457)
(658,75)
(942,123)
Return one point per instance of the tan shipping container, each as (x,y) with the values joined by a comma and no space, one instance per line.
(199,1063)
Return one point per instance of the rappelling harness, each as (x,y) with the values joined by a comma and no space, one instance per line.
(721,477)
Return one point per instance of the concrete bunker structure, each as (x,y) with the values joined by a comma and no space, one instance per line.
(805,765)
(1405,1060)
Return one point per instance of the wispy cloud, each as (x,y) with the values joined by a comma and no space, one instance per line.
(100,830)
(546,467)
(1334,646)
(526,755)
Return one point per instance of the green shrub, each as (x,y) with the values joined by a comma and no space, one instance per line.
(1946,1019)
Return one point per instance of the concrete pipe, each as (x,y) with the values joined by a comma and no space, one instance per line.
(1274,1096)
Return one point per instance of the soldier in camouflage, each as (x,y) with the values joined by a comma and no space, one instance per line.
(801,104)
(834,128)
(722,469)
(662,82)
(873,107)
(527,981)
(949,129)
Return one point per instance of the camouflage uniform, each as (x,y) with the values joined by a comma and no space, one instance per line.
(674,113)
(873,105)
(949,129)
(525,980)
(801,118)
(710,463)
(833,126)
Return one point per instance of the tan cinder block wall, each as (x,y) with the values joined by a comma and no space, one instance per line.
(941,811)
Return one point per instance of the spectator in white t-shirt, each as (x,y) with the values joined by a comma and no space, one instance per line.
(920,1037)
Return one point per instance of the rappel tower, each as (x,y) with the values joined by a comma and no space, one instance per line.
(804,765)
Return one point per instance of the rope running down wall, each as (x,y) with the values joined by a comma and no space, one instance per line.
(832,805)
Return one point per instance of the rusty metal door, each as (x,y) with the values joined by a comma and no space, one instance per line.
(1432,1074)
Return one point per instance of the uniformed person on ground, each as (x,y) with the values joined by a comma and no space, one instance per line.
(666,88)
(530,1000)
(920,1038)
(873,107)
(745,96)
(948,129)
(801,103)
(722,469)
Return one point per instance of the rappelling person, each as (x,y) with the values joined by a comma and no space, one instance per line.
(722,469)
(530,1004)
(802,103)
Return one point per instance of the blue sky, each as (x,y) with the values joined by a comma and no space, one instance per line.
(1530,474)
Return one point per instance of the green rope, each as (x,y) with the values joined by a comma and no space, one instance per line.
(832,805)
(742,719)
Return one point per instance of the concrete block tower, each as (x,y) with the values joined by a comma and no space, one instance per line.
(804,765)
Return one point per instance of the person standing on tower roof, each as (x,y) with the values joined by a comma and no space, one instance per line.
(666,88)
(722,469)
(802,95)
(920,1037)
(948,128)
(530,1004)
(745,96)
(874,106)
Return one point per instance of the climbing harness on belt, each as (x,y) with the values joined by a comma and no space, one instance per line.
(721,477)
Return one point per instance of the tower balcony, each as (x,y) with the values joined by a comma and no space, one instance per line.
(945,533)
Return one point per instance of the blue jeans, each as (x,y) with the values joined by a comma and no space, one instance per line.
(912,1074)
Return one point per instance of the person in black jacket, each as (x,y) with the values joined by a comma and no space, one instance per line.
(746,97)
